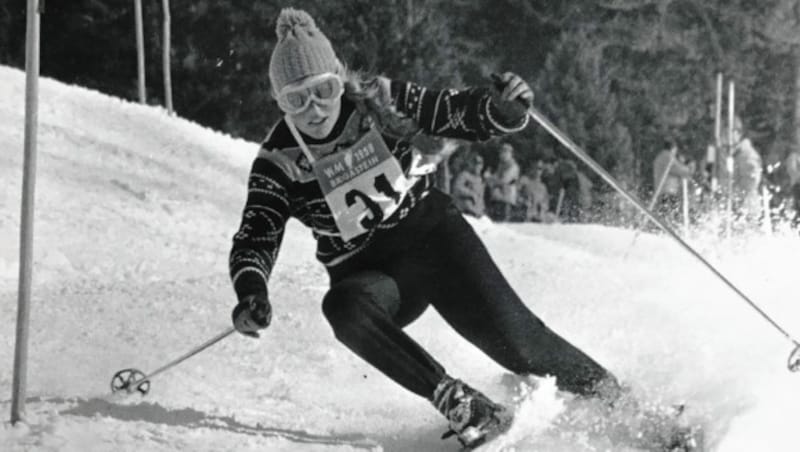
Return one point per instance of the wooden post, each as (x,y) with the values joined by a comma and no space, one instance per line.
(26,226)
(166,49)
(673,155)
(137,7)
(765,198)
(718,112)
(559,203)
(717,134)
(729,158)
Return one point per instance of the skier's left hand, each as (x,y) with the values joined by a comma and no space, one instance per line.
(510,99)
(514,88)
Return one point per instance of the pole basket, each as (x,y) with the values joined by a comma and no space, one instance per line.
(794,359)
(130,381)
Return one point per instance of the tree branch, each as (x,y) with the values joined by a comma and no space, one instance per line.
(713,36)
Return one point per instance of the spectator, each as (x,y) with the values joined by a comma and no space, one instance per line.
(551,182)
(747,173)
(793,168)
(585,186)
(502,184)
(566,202)
(668,162)
(533,193)
(468,187)
(618,210)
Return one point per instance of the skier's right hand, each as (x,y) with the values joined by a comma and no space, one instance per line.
(253,313)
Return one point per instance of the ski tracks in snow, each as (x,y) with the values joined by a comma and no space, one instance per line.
(157,427)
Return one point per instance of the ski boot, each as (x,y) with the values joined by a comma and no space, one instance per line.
(474,419)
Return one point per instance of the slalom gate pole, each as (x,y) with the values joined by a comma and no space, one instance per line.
(32,69)
(131,380)
(718,112)
(794,358)
(729,162)
(140,62)
(717,136)
(166,49)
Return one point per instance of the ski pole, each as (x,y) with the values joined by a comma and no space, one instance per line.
(794,357)
(131,380)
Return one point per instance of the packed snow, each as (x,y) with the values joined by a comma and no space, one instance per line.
(135,210)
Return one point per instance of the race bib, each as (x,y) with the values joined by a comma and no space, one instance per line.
(363,184)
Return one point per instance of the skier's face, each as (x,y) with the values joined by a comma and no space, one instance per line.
(317,121)
(313,104)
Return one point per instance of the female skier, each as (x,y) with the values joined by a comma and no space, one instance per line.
(348,159)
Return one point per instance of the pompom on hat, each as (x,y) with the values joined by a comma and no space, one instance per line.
(302,50)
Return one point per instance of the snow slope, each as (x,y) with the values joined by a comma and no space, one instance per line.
(135,210)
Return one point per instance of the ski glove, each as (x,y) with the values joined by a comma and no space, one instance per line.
(511,98)
(253,313)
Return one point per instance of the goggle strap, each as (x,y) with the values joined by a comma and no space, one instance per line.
(299,139)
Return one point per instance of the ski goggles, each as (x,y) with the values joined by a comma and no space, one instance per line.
(324,89)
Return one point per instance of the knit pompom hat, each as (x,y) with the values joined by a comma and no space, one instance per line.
(302,50)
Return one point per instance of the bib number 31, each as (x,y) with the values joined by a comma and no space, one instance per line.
(363,185)
(382,186)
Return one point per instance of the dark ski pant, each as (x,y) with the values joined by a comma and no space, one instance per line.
(373,296)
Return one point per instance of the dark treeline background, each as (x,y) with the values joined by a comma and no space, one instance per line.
(618,76)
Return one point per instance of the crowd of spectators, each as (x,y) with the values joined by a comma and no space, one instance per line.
(729,187)
(547,190)
(729,182)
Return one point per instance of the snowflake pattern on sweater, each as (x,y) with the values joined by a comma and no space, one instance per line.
(281,184)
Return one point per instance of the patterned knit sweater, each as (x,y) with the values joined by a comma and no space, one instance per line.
(282,185)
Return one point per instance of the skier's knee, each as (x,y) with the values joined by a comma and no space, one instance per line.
(347,304)
(340,305)
(364,295)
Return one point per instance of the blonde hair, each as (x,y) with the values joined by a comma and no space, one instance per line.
(366,91)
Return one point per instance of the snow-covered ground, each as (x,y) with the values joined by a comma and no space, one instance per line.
(135,211)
